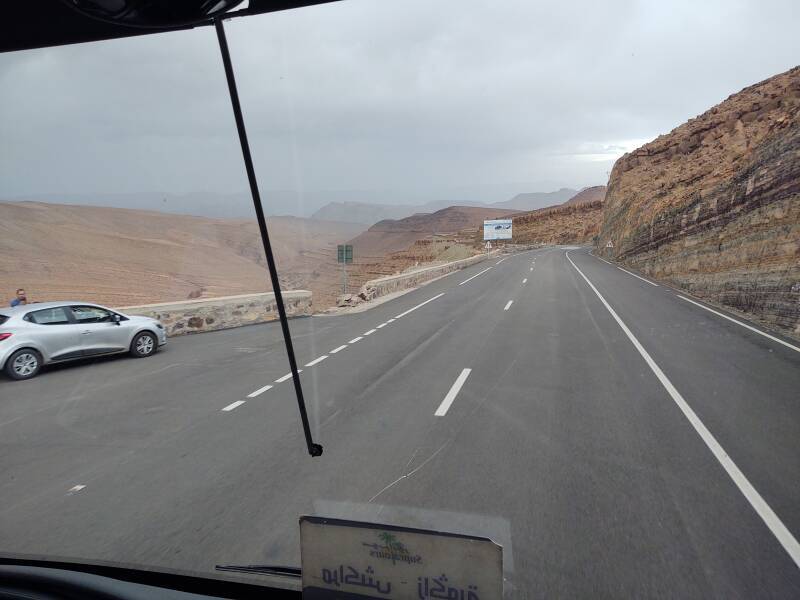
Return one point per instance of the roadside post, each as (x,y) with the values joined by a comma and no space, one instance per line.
(344,255)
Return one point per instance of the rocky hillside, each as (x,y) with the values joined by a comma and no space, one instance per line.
(565,224)
(714,206)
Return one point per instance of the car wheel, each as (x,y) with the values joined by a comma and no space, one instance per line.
(24,364)
(144,344)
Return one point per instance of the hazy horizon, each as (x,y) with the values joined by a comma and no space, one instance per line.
(382,102)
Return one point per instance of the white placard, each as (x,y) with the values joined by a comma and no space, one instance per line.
(497,229)
(350,559)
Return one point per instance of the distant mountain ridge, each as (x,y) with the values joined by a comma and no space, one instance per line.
(368,213)
(534,200)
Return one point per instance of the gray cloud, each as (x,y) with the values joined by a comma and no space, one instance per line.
(416,97)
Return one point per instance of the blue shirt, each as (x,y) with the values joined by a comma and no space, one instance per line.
(15,302)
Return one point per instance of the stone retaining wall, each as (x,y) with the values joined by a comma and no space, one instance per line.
(375,288)
(210,314)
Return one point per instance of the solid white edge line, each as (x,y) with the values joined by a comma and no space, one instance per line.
(370,332)
(317,360)
(775,525)
(259,391)
(474,276)
(354,340)
(390,321)
(745,325)
(403,314)
(637,276)
(287,376)
(451,395)
(510,302)
(339,349)
(233,405)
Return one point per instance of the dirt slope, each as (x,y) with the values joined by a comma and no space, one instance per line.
(117,256)
(714,206)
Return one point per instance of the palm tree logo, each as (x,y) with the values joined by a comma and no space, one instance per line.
(393,546)
(389,540)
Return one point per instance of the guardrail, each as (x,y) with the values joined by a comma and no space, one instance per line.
(375,288)
(211,314)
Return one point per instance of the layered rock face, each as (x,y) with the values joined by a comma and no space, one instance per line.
(566,224)
(714,206)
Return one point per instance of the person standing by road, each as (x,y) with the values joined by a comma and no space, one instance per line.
(20,299)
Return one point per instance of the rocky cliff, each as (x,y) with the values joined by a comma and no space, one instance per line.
(714,206)
(566,224)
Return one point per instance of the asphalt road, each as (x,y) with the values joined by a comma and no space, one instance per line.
(617,439)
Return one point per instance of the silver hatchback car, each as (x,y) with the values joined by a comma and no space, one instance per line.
(38,334)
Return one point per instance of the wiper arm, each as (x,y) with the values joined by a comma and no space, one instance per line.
(262,569)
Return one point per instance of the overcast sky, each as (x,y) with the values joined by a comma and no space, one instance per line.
(409,96)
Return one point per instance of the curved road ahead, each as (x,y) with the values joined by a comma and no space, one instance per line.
(618,439)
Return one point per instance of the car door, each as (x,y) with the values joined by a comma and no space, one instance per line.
(52,330)
(99,333)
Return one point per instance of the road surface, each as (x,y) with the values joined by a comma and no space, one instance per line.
(616,438)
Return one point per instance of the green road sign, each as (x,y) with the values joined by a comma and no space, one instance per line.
(344,253)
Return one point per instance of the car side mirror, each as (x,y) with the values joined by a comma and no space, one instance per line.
(117,319)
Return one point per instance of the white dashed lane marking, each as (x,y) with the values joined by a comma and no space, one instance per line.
(233,405)
(451,395)
(258,392)
(510,302)
(403,314)
(287,376)
(339,349)
(354,340)
(370,332)
(316,361)
(474,276)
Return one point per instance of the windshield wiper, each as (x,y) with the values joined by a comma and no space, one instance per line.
(262,569)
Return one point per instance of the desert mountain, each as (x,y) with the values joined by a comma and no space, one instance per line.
(392,235)
(365,213)
(534,200)
(589,194)
(370,213)
(236,205)
(714,205)
(122,257)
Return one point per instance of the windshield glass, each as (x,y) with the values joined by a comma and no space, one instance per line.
(540,266)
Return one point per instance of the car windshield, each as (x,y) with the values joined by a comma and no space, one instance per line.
(540,269)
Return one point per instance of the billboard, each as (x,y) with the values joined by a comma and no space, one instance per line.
(497,229)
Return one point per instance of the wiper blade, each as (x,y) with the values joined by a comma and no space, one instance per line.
(262,570)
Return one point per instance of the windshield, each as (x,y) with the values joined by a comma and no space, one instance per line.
(540,267)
